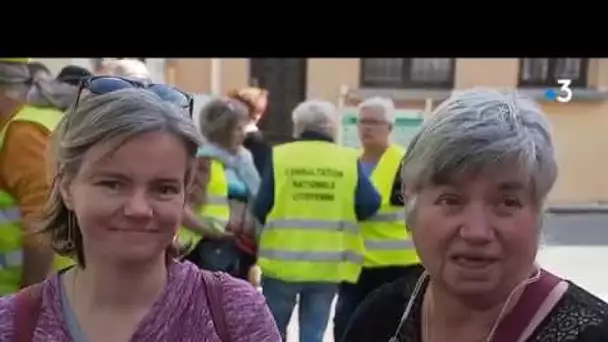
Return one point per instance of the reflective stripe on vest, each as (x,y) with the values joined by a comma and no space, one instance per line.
(11,255)
(216,210)
(387,242)
(10,215)
(11,259)
(306,256)
(311,233)
(337,226)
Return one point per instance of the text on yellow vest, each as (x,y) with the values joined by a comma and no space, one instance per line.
(311,233)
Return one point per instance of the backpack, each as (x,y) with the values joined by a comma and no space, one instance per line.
(28,303)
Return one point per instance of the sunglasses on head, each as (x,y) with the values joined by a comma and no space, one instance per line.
(106,84)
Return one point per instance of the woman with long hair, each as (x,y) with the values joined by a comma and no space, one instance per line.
(123,161)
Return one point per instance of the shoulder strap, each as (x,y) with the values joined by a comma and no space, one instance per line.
(213,290)
(28,303)
(532,307)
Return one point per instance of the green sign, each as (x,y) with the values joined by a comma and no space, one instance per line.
(407,123)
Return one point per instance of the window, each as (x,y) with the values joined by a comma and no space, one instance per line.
(544,72)
(407,72)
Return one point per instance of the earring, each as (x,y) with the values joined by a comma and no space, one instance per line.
(72,225)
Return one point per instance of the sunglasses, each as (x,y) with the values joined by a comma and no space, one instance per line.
(106,84)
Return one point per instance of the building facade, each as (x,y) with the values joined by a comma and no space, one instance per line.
(580,125)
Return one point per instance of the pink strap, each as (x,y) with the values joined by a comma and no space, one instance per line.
(544,310)
(536,296)
(28,303)
(213,290)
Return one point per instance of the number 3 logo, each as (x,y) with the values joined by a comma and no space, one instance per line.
(565,89)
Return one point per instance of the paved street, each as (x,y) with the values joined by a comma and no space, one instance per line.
(574,246)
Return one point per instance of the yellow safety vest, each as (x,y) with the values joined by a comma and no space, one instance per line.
(311,233)
(387,242)
(215,211)
(11,255)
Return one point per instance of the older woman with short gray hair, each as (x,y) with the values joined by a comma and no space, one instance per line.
(233,184)
(476,178)
(128,67)
(312,192)
(315,116)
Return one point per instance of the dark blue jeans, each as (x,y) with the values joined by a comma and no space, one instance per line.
(314,306)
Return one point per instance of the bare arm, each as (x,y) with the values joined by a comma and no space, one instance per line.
(193,222)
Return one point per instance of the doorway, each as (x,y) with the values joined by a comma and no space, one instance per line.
(285,80)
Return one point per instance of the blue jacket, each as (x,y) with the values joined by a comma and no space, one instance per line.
(367,198)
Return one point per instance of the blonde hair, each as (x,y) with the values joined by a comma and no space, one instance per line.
(113,117)
(250,96)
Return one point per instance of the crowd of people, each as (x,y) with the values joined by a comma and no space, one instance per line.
(120,220)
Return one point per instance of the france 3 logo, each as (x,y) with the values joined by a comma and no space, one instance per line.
(563,95)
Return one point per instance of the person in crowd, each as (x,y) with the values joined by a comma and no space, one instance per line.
(73,75)
(61,92)
(39,70)
(388,248)
(233,184)
(475,180)
(256,100)
(128,67)
(312,195)
(122,163)
(25,258)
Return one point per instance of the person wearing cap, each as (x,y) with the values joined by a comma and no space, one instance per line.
(25,258)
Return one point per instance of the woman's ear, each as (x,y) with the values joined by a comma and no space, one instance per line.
(65,191)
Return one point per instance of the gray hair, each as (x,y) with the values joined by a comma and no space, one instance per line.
(52,94)
(131,68)
(113,117)
(15,79)
(478,129)
(219,117)
(386,105)
(315,115)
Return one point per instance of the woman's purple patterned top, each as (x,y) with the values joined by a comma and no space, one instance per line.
(181,314)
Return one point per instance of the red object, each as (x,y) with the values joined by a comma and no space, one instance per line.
(246,244)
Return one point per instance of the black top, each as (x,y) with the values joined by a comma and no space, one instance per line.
(396,196)
(578,317)
(259,148)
